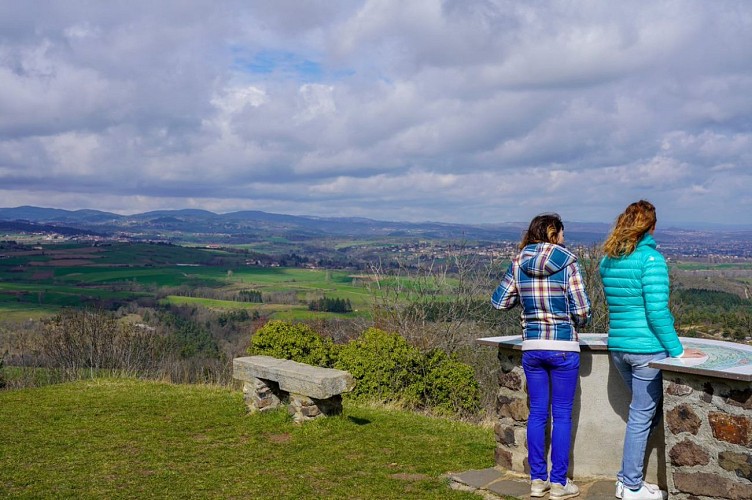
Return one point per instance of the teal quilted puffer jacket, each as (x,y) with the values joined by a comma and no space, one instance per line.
(637,291)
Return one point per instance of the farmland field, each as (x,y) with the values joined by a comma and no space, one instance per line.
(38,281)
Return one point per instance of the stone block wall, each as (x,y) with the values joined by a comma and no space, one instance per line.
(512,413)
(708,431)
(264,395)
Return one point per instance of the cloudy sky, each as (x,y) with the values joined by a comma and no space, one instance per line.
(414,110)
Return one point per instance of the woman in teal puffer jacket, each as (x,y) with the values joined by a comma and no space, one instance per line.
(641,330)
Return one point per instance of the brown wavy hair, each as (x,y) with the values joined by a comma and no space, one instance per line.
(543,228)
(630,227)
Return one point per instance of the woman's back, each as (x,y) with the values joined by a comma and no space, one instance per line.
(637,292)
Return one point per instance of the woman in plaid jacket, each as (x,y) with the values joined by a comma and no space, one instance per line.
(546,281)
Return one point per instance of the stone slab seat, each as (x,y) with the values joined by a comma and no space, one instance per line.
(294,377)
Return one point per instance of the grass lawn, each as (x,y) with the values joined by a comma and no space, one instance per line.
(18,312)
(108,438)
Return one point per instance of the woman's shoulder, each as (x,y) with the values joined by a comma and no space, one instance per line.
(649,254)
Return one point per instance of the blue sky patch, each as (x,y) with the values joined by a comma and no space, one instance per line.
(281,63)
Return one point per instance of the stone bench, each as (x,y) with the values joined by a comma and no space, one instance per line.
(309,391)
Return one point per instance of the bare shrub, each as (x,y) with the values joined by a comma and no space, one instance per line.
(438,305)
(589,259)
(446,305)
(79,340)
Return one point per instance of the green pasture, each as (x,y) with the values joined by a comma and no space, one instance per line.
(122,272)
(276,311)
(706,266)
(302,313)
(157,276)
(18,312)
(272,246)
(24,301)
(71,284)
(160,254)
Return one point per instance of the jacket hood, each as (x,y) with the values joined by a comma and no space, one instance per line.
(544,259)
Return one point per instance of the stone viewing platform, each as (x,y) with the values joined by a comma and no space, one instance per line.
(309,391)
(495,482)
(702,451)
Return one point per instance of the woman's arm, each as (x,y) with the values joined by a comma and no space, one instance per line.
(506,296)
(579,302)
(655,293)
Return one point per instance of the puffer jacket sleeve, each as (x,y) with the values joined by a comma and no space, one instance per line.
(655,292)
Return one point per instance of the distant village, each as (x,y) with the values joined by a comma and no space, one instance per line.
(706,247)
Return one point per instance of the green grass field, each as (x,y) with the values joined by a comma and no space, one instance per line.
(107,438)
(41,281)
(700,266)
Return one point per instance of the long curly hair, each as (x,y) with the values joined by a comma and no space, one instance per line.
(544,228)
(630,227)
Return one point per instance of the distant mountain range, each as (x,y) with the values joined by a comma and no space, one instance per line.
(256,225)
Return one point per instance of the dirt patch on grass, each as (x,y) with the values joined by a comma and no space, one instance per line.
(43,275)
(279,438)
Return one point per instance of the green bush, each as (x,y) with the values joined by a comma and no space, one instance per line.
(449,386)
(385,367)
(295,341)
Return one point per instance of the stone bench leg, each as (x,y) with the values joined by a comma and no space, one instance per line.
(303,408)
(262,395)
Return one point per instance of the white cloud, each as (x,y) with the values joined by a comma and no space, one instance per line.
(316,101)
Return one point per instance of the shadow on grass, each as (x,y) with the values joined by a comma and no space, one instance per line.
(358,421)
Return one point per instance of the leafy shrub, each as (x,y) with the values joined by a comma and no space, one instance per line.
(297,342)
(449,386)
(384,365)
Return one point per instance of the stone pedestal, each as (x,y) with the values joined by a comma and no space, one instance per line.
(599,415)
(303,408)
(261,395)
(708,423)
(703,450)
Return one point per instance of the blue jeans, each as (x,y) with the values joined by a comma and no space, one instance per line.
(645,410)
(551,376)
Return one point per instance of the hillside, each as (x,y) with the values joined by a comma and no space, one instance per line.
(248,226)
(290,233)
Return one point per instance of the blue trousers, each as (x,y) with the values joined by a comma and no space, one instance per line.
(551,382)
(646,385)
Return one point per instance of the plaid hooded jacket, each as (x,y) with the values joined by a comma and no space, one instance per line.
(546,281)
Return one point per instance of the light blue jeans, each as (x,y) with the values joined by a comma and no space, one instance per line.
(551,378)
(645,410)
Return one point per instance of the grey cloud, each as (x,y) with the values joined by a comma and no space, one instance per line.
(479,110)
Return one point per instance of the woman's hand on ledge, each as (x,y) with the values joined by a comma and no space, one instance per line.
(692,353)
